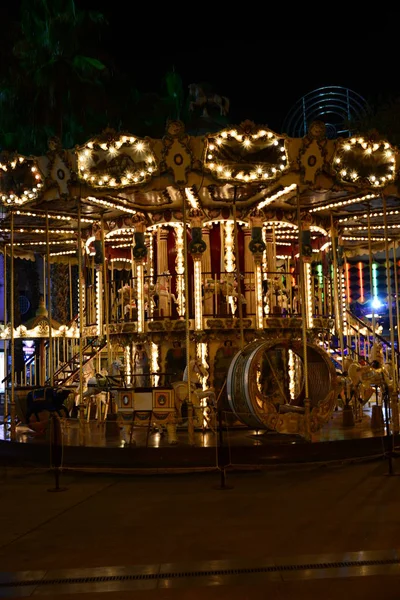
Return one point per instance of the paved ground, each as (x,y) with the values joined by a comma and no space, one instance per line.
(186,520)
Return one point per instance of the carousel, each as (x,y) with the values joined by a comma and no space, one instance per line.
(196,274)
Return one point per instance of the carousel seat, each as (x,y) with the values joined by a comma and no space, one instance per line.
(290,408)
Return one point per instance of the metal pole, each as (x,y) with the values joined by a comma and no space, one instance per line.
(336,291)
(187,322)
(394,398)
(304,325)
(370,275)
(106,295)
(396,291)
(5,342)
(81,407)
(71,314)
(51,358)
(12,404)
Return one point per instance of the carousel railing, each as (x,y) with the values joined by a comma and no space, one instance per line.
(164,295)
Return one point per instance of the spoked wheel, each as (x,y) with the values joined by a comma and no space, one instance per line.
(266,385)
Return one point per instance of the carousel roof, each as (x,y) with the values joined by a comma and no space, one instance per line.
(121,180)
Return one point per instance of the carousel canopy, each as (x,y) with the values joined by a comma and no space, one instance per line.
(120,180)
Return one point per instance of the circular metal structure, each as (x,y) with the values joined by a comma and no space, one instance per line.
(265,386)
(334,105)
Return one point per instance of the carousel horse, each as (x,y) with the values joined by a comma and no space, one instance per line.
(51,399)
(202,100)
(94,385)
(163,294)
(197,394)
(228,288)
(126,299)
(363,377)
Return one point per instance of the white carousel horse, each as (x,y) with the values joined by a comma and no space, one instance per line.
(181,392)
(94,385)
(141,367)
(200,398)
(202,100)
(162,290)
(228,288)
(363,377)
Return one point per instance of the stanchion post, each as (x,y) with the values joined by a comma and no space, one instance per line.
(221,455)
(190,422)
(56,450)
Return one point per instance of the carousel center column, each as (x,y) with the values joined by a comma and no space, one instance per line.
(196,248)
(139,254)
(249,287)
(162,250)
(271,266)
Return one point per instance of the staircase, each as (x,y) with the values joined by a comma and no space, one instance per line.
(66,373)
(363,331)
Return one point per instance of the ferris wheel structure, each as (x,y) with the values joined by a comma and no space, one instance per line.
(336,106)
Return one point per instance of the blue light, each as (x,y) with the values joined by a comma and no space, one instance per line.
(376,303)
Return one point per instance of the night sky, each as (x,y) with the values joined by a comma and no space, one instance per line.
(262,79)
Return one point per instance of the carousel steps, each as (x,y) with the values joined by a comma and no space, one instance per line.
(66,373)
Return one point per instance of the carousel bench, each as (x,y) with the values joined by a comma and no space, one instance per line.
(290,408)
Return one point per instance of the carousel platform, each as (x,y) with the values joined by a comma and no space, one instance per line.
(110,446)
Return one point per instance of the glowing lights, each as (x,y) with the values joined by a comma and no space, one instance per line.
(43,215)
(361,278)
(375,302)
(214,158)
(343,203)
(123,159)
(279,194)
(20,169)
(127,362)
(114,205)
(309,294)
(342,299)
(372,215)
(259,296)
(155,365)
(140,296)
(192,200)
(229,262)
(362,151)
(292,374)
(362,239)
(40,331)
(180,269)
(99,298)
(229,257)
(198,300)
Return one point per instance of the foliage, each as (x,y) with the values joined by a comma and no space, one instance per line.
(384,118)
(58,79)
(51,77)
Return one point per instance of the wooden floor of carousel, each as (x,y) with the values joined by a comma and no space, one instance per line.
(113,444)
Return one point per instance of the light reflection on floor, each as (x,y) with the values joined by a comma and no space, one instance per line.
(95,434)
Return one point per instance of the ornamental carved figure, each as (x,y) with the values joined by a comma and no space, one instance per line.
(98,245)
(257,244)
(306,247)
(177,156)
(313,152)
(197,245)
(139,251)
